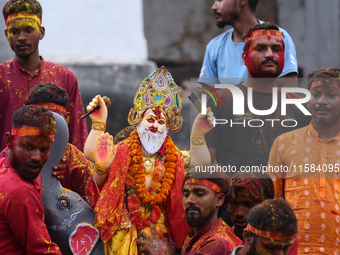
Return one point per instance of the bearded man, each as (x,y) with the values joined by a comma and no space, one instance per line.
(223,56)
(205,200)
(142,176)
(22,226)
(245,141)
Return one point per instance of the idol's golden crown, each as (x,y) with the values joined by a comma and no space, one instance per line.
(158,90)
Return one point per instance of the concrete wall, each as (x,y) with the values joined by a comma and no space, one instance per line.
(102,31)
(5,51)
(314,27)
(89,32)
(103,43)
(107,43)
(178,31)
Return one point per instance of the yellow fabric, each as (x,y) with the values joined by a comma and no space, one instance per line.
(124,241)
(313,196)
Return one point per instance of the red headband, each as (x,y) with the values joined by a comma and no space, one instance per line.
(204,182)
(268,234)
(264,32)
(23,15)
(28,131)
(53,107)
(318,83)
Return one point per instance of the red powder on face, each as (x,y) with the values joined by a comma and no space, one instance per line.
(255,58)
(157,112)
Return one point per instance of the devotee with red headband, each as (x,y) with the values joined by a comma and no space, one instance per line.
(271,228)
(223,63)
(75,171)
(205,201)
(245,140)
(23,31)
(22,227)
(142,176)
(250,189)
(313,188)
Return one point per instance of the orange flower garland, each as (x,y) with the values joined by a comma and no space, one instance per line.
(138,170)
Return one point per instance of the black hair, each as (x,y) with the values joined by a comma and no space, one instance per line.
(123,134)
(29,6)
(35,116)
(253,4)
(274,215)
(220,181)
(259,185)
(47,93)
(329,72)
(263,26)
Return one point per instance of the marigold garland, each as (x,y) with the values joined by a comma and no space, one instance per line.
(138,171)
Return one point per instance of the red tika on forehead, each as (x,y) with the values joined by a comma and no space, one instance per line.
(268,234)
(264,32)
(157,112)
(204,182)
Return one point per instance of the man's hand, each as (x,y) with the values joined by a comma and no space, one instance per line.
(59,170)
(99,115)
(153,245)
(201,126)
(105,151)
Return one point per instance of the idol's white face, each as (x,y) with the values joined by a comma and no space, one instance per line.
(155,122)
(152,131)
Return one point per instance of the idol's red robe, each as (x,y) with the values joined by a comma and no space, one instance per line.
(15,83)
(216,239)
(22,226)
(110,203)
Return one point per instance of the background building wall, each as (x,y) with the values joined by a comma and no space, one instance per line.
(5,51)
(112,45)
(314,27)
(178,31)
(93,31)
(103,43)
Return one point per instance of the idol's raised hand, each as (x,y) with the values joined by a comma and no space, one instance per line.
(98,126)
(203,125)
(99,115)
(104,153)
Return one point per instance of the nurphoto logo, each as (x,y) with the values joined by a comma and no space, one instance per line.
(239,102)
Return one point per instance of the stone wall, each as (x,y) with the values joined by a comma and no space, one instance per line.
(315,29)
(103,43)
(178,31)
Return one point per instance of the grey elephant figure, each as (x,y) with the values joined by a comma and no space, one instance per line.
(68,217)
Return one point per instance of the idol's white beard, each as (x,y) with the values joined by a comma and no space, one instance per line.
(151,142)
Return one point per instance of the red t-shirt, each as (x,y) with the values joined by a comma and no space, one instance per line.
(22,226)
(15,83)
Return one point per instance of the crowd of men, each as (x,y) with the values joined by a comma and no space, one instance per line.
(138,184)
